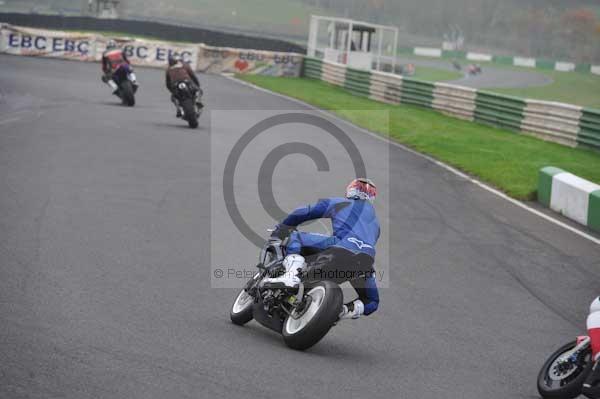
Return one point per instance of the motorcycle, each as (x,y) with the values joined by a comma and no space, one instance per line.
(563,374)
(302,315)
(474,69)
(188,96)
(126,84)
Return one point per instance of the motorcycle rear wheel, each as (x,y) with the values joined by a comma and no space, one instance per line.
(303,329)
(571,385)
(189,112)
(127,95)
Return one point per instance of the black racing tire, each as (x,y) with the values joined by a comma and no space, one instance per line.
(329,300)
(572,388)
(189,112)
(241,315)
(127,93)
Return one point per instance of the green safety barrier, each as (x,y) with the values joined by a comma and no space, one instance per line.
(565,200)
(589,128)
(583,68)
(594,211)
(417,92)
(454,54)
(313,68)
(545,64)
(504,60)
(497,110)
(545,176)
(358,82)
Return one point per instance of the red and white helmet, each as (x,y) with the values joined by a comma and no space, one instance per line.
(362,188)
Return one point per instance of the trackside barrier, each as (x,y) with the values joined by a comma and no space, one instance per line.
(454,100)
(564,124)
(552,121)
(312,68)
(358,82)
(479,57)
(589,125)
(497,110)
(153,53)
(571,196)
(386,87)
(334,73)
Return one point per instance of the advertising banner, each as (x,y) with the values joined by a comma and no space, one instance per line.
(45,43)
(150,53)
(230,60)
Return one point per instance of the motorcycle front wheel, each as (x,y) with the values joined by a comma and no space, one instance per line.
(558,380)
(241,310)
(306,325)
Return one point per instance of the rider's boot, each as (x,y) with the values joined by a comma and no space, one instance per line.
(294,265)
(352,310)
(113,86)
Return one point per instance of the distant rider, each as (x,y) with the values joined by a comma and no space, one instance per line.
(112,58)
(180,71)
(348,255)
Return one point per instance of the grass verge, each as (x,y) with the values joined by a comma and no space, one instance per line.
(504,159)
(434,74)
(568,87)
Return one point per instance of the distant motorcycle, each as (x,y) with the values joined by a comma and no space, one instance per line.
(188,96)
(126,82)
(474,69)
(303,315)
(563,374)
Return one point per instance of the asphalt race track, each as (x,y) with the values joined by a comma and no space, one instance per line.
(106,251)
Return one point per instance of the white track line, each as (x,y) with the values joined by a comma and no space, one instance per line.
(435,161)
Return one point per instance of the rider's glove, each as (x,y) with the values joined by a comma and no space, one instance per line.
(281,231)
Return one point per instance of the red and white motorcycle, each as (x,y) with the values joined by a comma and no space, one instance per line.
(573,369)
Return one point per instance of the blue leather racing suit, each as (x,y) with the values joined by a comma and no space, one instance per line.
(355,233)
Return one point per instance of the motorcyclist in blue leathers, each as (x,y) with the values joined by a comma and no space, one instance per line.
(347,255)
